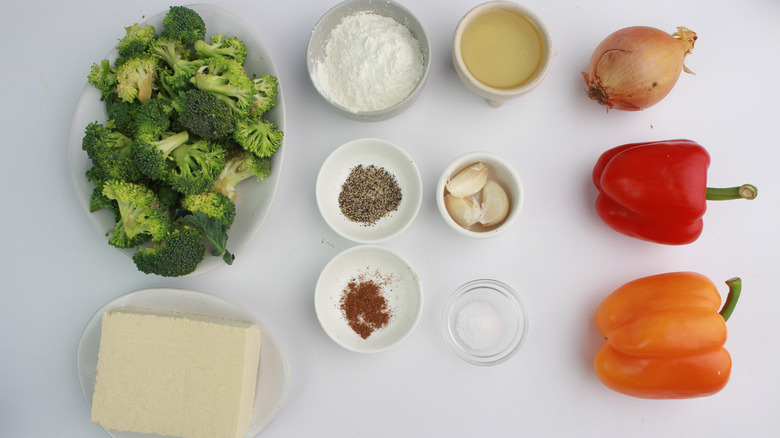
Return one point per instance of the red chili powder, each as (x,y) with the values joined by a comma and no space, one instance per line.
(364,306)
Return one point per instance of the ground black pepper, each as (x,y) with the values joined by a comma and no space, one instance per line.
(364,306)
(369,194)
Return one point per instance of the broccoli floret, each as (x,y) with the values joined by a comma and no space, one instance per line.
(222,46)
(103,77)
(176,56)
(240,165)
(165,193)
(169,50)
(227,80)
(152,118)
(120,239)
(180,79)
(212,204)
(121,114)
(111,154)
(215,232)
(152,157)
(140,210)
(266,90)
(136,40)
(195,166)
(108,151)
(99,201)
(258,135)
(206,116)
(102,142)
(177,254)
(183,24)
(135,78)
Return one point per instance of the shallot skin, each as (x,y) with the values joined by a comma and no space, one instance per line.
(635,67)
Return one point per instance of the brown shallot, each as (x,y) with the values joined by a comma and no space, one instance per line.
(635,67)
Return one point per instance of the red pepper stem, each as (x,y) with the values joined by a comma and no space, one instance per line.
(735,289)
(745,191)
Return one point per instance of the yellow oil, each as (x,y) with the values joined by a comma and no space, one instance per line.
(502,48)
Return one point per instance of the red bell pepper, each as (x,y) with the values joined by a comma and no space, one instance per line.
(657,191)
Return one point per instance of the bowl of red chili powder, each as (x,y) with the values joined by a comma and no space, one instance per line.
(368,299)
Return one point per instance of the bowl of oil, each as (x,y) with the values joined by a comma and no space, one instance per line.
(501,51)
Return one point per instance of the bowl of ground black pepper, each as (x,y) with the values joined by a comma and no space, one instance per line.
(369,190)
(368,299)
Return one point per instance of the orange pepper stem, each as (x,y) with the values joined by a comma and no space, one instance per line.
(745,191)
(735,289)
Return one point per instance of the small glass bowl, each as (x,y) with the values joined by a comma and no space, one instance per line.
(509,321)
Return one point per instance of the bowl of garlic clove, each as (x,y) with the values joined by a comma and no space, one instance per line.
(479,195)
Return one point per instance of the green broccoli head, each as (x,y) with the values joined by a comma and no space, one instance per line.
(99,201)
(136,41)
(170,50)
(227,80)
(195,166)
(221,46)
(152,118)
(258,135)
(110,152)
(121,114)
(103,77)
(135,78)
(118,237)
(206,116)
(183,24)
(168,197)
(180,78)
(177,254)
(239,166)
(266,90)
(140,210)
(213,204)
(152,157)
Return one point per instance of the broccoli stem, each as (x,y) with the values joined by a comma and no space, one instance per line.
(167,145)
(145,88)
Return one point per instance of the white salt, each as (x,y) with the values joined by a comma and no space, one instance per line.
(479,325)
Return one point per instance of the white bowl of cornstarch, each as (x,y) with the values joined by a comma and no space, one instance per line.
(368,59)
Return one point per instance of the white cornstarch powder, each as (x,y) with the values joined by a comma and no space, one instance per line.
(371,62)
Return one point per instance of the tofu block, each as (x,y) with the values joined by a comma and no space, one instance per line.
(175,374)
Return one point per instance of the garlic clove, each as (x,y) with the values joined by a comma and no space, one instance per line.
(495,204)
(469,181)
(464,211)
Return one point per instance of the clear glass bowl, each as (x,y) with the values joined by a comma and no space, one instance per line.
(485,322)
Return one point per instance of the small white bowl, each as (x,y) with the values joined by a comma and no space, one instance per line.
(497,96)
(320,35)
(366,152)
(503,313)
(400,287)
(500,171)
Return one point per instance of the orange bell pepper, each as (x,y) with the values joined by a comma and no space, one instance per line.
(665,336)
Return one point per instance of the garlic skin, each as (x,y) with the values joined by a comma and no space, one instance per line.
(469,181)
(464,211)
(495,204)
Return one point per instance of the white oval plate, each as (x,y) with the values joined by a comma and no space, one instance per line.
(273,376)
(380,153)
(403,293)
(254,198)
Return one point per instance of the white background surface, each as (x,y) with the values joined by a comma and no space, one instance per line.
(57,270)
